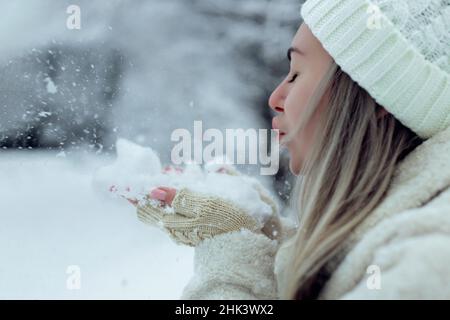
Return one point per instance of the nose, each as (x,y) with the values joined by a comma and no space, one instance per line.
(276,100)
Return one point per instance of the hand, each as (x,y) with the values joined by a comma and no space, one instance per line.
(157,213)
(164,194)
(193,217)
(157,194)
(272,228)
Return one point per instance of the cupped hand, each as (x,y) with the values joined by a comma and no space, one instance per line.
(165,194)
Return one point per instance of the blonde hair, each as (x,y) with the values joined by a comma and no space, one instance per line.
(345,175)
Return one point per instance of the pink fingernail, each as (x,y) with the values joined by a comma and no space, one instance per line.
(179,170)
(158,194)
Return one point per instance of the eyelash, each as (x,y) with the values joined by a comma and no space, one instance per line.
(293,78)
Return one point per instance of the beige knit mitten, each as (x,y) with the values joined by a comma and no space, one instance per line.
(194,217)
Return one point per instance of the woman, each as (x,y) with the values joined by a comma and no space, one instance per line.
(365,114)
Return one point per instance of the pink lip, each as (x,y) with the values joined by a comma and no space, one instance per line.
(275,126)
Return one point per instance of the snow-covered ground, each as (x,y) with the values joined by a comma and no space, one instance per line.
(51,218)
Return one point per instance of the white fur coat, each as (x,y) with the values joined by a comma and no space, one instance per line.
(402,251)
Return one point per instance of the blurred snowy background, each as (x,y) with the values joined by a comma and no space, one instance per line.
(137,69)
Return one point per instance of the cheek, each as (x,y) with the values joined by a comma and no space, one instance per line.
(295,103)
(294,108)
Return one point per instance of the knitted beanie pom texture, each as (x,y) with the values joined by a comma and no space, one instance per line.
(397,50)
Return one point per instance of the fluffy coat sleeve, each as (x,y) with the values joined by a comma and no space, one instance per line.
(237,265)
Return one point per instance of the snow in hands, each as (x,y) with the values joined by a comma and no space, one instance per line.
(138,170)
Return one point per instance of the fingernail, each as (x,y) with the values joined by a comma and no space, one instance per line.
(158,194)
(179,170)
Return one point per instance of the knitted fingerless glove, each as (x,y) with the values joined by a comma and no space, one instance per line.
(194,217)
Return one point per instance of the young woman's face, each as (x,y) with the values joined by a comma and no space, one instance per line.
(309,63)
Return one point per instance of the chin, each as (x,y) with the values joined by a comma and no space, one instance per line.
(294,167)
(293,164)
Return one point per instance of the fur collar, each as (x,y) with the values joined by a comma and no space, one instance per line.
(419,177)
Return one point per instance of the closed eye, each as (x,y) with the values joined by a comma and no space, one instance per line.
(293,78)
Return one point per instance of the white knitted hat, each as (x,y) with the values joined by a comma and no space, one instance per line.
(397,50)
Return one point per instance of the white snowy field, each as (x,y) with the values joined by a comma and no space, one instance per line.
(51,218)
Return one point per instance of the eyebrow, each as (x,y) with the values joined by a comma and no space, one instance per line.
(294,49)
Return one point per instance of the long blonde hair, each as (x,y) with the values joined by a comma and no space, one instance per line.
(345,175)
